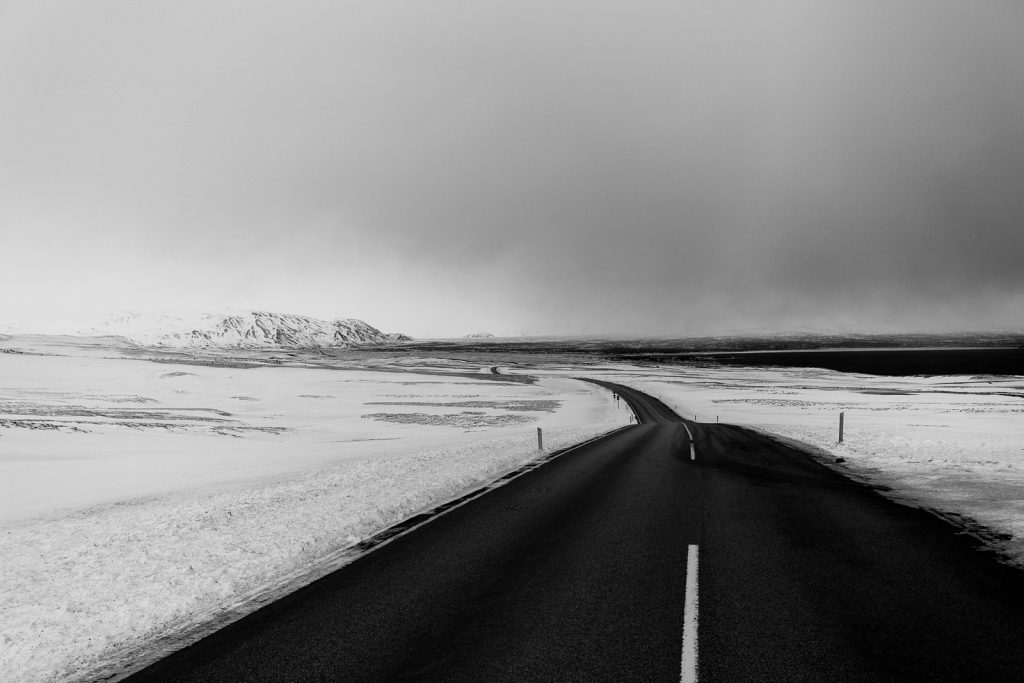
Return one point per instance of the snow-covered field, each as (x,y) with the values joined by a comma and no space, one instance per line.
(140,499)
(954,444)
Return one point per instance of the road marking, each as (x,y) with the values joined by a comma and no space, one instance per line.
(688,673)
(693,450)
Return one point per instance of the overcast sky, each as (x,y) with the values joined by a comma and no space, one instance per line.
(440,167)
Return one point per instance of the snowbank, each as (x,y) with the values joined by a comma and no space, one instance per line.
(142,499)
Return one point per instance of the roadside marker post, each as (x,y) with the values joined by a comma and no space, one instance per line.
(840,426)
(540,439)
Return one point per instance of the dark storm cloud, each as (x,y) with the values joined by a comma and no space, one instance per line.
(607,167)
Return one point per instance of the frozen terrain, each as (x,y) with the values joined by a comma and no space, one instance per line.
(140,499)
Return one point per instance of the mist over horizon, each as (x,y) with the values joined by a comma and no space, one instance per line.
(144,328)
(439,169)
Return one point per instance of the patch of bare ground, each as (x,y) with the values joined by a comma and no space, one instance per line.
(465,419)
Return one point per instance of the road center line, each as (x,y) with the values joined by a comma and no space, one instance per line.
(688,673)
(693,450)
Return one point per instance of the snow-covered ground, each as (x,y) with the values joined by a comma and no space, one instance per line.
(139,499)
(954,444)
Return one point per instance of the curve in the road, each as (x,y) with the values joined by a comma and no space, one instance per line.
(581,570)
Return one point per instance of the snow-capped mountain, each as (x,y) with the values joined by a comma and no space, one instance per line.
(258,329)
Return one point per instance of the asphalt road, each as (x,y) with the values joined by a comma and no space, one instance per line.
(637,558)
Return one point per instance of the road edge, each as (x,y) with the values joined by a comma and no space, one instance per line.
(987,538)
(133,660)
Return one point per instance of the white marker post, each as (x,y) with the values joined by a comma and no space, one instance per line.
(540,439)
(840,426)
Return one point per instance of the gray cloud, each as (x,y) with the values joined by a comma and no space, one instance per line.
(452,166)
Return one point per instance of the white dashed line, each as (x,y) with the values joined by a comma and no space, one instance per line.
(693,450)
(688,673)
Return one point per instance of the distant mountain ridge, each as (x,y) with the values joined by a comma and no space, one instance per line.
(258,329)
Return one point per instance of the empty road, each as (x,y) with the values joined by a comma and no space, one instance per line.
(647,556)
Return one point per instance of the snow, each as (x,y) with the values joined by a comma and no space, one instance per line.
(140,500)
(256,329)
(954,444)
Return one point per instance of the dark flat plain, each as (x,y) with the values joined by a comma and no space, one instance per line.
(575,571)
(891,362)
